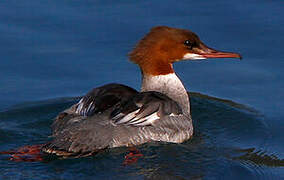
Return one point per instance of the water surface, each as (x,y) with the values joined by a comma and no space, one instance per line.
(53,50)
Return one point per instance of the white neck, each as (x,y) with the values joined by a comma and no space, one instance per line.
(169,85)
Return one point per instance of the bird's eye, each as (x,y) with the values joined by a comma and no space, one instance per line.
(188,43)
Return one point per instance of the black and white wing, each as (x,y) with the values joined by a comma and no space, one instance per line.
(98,101)
(102,98)
(145,109)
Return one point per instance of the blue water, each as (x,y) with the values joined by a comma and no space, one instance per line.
(53,51)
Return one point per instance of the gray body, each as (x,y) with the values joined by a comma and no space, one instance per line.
(159,113)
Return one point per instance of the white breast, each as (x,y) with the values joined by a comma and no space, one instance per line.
(169,85)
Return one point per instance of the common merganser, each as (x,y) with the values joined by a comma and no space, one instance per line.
(116,115)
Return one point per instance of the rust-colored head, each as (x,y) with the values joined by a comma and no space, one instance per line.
(163,45)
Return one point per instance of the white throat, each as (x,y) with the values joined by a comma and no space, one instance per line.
(169,85)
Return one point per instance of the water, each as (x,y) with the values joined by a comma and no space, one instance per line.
(52,52)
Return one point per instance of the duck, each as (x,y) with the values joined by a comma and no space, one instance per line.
(116,115)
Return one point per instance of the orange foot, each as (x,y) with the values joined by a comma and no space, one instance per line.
(132,156)
(26,153)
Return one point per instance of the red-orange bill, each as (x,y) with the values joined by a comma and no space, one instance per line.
(221,55)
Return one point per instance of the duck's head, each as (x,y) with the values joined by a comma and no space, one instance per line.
(163,46)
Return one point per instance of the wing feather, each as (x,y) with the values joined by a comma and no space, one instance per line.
(102,98)
(145,109)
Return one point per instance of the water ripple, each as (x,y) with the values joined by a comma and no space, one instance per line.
(228,139)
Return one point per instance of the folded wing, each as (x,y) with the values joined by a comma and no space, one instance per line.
(144,109)
(102,98)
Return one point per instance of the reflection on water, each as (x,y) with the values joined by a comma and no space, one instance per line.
(259,157)
(224,101)
(228,140)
